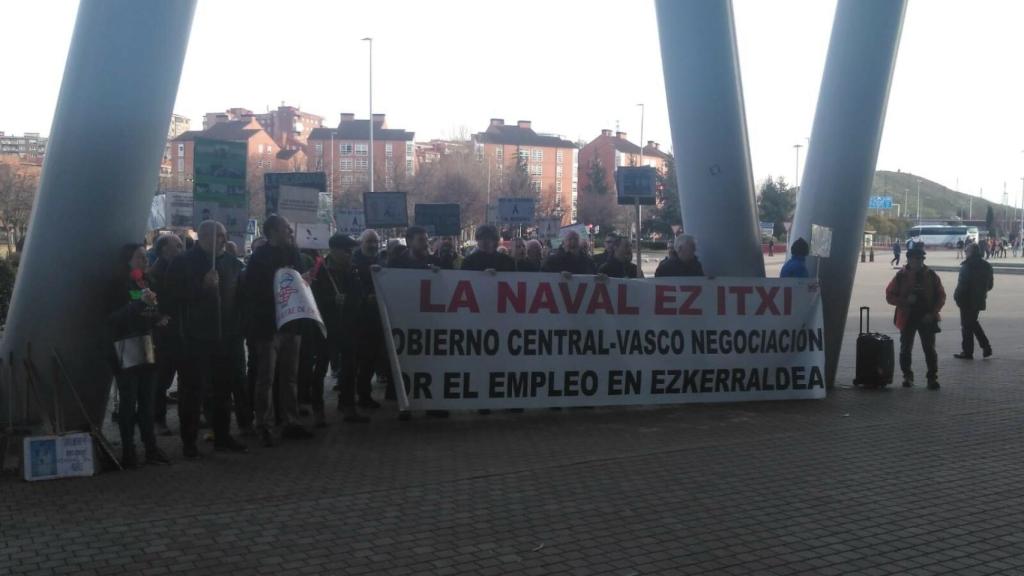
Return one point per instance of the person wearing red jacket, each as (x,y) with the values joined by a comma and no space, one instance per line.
(916,292)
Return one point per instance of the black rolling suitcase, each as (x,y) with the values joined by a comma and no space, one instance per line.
(876,357)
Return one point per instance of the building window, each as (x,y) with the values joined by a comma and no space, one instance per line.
(559,156)
(537,169)
(319,148)
(181,150)
(388,150)
(538,155)
(408,167)
(347,179)
(535,186)
(181,164)
(409,149)
(345,149)
(346,164)
(362,164)
(362,149)
(500,152)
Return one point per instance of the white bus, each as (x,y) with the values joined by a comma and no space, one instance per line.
(939,235)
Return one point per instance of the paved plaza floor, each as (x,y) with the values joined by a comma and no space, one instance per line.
(898,481)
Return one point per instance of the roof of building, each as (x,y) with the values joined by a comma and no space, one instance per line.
(233,130)
(516,136)
(359,130)
(623,145)
(656,152)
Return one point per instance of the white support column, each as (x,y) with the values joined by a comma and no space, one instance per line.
(846,135)
(101,171)
(709,134)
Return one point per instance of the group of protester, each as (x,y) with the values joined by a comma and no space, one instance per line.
(207,316)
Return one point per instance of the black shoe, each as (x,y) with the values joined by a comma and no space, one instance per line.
(369,404)
(155,455)
(933,384)
(190,452)
(908,380)
(230,445)
(964,356)
(296,432)
(437,413)
(404,416)
(986,352)
(266,438)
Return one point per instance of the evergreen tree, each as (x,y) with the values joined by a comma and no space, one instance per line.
(776,202)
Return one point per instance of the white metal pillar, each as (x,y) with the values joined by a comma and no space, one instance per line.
(709,134)
(840,166)
(101,171)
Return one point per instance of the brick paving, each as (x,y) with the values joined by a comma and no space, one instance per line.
(866,482)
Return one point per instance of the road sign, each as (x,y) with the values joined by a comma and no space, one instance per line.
(636,183)
(880,202)
(385,209)
(516,210)
(348,221)
(547,228)
(438,219)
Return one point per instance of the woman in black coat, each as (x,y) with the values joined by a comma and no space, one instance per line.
(131,315)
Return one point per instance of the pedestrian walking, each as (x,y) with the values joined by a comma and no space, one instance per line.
(897,249)
(917,293)
(972,288)
(131,315)
(960,249)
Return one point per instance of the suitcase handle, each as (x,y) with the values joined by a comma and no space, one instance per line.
(862,309)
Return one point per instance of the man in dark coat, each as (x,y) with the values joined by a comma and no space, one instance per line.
(339,294)
(168,346)
(682,261)
(486,255)
(203,288)
(277,351)
(917,293)
(371,350)
(417,254)
(619,263)
(569,257)
(971,292)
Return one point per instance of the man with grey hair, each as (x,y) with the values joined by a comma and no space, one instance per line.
(569,258)
(204,297)
(682,261)
(371,351)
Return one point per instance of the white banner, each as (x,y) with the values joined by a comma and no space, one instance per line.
(466,340)
(295,299)
(314,236)
(297,204)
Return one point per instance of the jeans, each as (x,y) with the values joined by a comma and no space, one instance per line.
(135,387)
(971,328)
(931,359)
(279,357)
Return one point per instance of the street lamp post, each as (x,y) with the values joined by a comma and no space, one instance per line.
(919,202)
(639,213)
(370,121)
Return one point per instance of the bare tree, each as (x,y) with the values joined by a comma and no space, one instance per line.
(18,185)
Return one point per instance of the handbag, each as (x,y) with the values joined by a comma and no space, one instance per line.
(135,351)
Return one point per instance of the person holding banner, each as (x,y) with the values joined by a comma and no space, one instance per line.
(417,254)
(371,350)
(610,241)
(486,255)
(569,257)
(277,351)
(620,262)
(916,292)
(682,261)
(339,295)
(204,289)
(534,257)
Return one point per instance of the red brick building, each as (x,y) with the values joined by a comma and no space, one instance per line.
(610,151)
(289,126)
(549,161)
(343,153)
(264,156)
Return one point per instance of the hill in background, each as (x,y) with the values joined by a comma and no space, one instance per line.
(937,201)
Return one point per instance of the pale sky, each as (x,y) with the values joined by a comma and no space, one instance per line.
(573,67)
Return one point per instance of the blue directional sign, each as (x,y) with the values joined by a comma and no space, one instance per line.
(880,202)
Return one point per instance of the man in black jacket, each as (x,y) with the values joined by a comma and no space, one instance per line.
(486,255)
(683,262)
(203,287)
(971,292)
(168,346)
(417,254)
(619,263)
(277,351)
(339,294)
(569,257)
(371,350)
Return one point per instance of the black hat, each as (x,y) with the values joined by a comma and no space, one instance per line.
(916,251)
(800,248)
(341,242)
(486,231)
